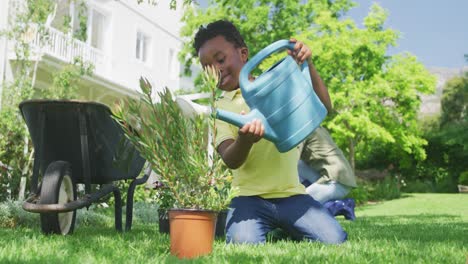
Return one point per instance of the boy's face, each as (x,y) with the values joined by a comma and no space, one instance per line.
(226,58)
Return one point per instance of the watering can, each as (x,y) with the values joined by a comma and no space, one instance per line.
(281,97)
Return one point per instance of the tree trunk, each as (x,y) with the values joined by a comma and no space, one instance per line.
(22,189)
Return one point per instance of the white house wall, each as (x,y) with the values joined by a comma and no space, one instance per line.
(160,23)
(3,43)
(117,73)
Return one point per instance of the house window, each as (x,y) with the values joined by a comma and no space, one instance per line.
(97,30)
(62,16)
(173,64)
(142,47)
(89,25)
(81,18)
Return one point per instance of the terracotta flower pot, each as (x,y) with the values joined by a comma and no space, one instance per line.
(163,222)
(191,232)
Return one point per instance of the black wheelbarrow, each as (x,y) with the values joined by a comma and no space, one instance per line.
(77,142)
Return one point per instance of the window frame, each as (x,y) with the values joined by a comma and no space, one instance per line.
(143,47)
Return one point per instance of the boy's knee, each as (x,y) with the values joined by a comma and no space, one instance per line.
(245,232)
(338,237)
(243,238)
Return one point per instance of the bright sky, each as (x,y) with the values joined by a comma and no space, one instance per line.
(435,31)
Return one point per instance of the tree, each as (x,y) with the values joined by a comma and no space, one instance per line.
(375,96)
(455,101)
(447,151)
(454,116)
(261,22)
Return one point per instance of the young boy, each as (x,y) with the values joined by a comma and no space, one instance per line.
(270,194)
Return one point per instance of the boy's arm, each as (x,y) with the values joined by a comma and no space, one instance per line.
(302,53)
(319,87)
(235,152)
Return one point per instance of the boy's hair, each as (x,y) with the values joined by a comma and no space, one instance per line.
(218,28)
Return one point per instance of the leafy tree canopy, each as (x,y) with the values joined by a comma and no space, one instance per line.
(375,96)
(454,117)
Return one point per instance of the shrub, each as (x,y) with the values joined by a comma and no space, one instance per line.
(93,217)
(145,213)
(463,179)
(386,189)
(359,194)
(418,186)
(6,219)
(176,148)
(13,215)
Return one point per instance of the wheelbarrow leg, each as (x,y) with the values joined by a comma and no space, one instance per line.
(131,191)
(118,209)
(38,155)
(85,150)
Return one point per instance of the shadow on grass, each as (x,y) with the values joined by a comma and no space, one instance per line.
(420,228)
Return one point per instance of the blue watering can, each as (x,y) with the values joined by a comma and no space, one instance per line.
(281,97)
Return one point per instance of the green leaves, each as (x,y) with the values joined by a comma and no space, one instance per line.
(176,147)
(66,81)
(145,86)
(376,18)
(455,102)
(375,96)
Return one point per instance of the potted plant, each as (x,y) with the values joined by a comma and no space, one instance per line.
(176,147)
(463,182)
(165,201)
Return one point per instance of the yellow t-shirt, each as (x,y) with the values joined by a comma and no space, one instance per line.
(266,172)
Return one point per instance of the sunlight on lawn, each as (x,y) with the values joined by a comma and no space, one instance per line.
(419,228)
(417,204)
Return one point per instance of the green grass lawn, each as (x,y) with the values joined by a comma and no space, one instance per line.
(419,228)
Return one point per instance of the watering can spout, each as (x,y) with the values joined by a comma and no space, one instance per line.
(241,120)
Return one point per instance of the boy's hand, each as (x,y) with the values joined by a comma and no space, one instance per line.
(251,132)
(301,51)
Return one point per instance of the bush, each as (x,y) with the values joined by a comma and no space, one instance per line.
(176,146)
(418,186)
(141,194)
(12,156)
(359,194)
(145,213)
(94,217)
(6,218)
(385,189)
(12,215)
(463,179)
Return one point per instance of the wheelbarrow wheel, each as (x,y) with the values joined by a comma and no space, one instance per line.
(58,187)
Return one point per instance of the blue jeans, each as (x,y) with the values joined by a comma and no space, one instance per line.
(322,192)
(250,218)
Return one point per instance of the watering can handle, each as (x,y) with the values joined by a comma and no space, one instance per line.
(258,58)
